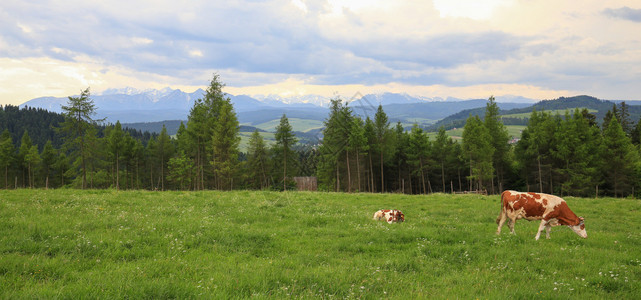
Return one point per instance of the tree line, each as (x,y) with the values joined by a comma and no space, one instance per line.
(565,155)
(76,150)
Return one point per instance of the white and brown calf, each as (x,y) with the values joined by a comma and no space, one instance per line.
(550,209)
(389,215)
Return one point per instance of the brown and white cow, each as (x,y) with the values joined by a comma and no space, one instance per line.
(391,216)
(550,209)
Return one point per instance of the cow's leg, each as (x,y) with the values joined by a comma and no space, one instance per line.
(541,228)
(548,228)
(511,223)
(502,219)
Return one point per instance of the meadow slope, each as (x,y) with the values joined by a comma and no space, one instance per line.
(139,244)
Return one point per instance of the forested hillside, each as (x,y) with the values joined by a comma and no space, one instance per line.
(600,108)
(41,126)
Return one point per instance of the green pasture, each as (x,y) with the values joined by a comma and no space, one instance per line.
(268,138)
(457,133)
(227,245)
(302,125)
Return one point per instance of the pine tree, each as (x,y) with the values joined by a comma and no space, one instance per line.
(62,167)
(179,169)
(49,157)
(499,138)
(534,150)
(333,147)
(23,152)
(441,149)
(478,148)
(577,148)
(358,145)
(622,159)
(370,137)
(419,151)
(116,145)
(200,135)
(32,159)
(78,114)
(257,161)
(285,140)
(150,162)
(7,150)
(383,140)
(164,151)
(401,146)
(636,133)
(225,141)
(623,115)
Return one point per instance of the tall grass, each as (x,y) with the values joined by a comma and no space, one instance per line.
(138,244)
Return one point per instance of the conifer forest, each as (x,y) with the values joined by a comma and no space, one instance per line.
(570,153)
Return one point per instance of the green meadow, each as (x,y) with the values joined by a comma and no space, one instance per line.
(141,244)
(457,133)
(297,124)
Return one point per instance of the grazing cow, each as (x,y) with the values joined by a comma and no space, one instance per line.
(551,210)
(391,216)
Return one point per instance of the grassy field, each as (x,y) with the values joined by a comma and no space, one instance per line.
(139,244)
(268,138)
(302,125)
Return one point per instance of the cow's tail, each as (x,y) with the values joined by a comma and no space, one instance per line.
(498,219)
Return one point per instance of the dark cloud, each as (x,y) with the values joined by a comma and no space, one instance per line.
(444,51)
(624,13)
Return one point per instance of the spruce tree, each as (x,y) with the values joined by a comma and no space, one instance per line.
(257,161)
(333,147)
(419,150)
(78,114)
(499,138)
(401,145)
(199,134)
(577,149)
(23,152)
(370,137)
(179,170)
(32,159)
(383,141)
(358,145)
(285,140)
(7,150)
(622,159)
(441,149)
(49,157)
(224,143)
(623,115)
(164,151)
(116,145)
(478,148)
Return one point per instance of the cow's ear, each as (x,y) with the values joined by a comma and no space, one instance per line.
(581,219)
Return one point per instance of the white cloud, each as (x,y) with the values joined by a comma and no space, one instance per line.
(540,46)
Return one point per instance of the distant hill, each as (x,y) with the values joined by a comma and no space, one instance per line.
(425,113)
(600,108)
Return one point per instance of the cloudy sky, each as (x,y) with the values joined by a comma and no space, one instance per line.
(461,48)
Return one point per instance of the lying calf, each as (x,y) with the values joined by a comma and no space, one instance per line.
(391,216)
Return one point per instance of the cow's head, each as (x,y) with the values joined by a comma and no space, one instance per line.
(399,216)
(580,228)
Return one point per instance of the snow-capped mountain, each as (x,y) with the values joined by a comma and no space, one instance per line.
(133,105)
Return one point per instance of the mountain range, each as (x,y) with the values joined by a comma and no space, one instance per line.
(130,105)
